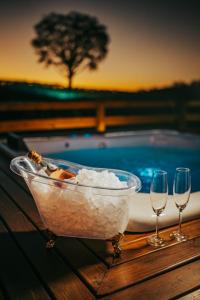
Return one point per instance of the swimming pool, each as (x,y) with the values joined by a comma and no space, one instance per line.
(140,153)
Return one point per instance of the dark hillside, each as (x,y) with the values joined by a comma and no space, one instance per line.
(23,91)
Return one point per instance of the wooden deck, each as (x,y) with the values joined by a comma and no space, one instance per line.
(84,269)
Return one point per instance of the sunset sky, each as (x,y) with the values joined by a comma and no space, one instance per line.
(153,43)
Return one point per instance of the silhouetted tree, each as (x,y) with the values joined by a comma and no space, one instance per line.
(73,42)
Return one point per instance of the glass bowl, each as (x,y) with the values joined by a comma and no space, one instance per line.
(71,209)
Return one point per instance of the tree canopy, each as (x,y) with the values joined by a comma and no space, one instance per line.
(72,42)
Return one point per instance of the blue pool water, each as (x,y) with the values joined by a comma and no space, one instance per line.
(140,160)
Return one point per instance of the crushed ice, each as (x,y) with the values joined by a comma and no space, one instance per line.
(83,211)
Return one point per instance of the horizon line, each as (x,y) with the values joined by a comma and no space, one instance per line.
(113,89)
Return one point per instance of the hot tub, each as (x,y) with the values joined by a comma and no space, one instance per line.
(139,152)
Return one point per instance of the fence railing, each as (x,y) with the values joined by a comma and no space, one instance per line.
(106,113)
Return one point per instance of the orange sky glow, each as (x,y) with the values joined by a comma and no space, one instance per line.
(141,56)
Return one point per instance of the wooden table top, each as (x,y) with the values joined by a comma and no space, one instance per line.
(85,269)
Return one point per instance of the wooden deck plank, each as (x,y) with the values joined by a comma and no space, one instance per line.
(195,295)
(16,274)
(135,245)
(5,167)
(23,199)
(90,268)
(2,297)
(62,282)
(166,286)
(150,265)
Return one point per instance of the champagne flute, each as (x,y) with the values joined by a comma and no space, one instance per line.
(158,196)
(181,191)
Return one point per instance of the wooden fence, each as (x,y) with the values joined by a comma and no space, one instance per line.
(106,114)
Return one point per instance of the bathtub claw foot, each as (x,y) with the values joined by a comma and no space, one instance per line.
(50,244)
(116,245)
(52,240)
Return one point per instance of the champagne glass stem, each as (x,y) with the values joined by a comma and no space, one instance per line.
(157,229)
(180,220)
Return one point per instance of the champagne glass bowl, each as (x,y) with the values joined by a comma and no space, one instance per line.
(158,196)
(181,194)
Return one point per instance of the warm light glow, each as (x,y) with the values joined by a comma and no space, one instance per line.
(141,55)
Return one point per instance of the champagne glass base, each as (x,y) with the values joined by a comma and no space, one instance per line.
(156,241)
(179,236)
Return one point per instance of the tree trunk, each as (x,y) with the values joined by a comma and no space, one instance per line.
(70,75)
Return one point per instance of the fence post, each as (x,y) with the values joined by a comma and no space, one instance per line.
(101,124)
